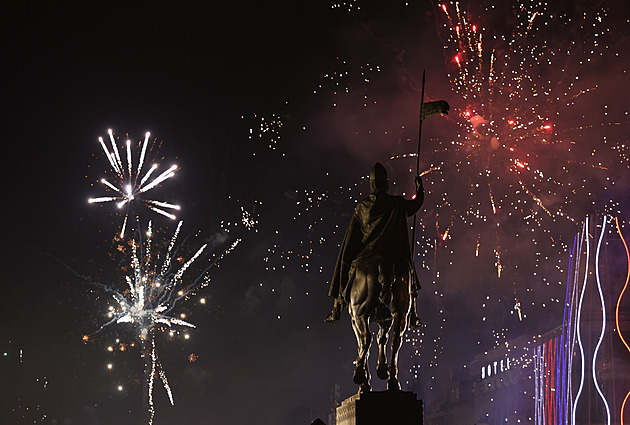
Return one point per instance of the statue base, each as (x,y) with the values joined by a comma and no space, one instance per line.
(380,408)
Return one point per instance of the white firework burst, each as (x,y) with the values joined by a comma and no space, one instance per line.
(155,283)
(130,183)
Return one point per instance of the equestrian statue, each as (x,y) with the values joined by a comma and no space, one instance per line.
(375,276)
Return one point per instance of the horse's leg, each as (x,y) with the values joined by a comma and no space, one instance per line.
(364,339)
(361,328)
(401,303)
(399,323)
(386,281)
(363,298)
(360,375)
(381,368)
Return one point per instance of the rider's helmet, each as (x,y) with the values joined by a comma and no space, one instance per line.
(379,182)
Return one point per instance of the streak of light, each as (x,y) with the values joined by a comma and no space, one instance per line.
(601,335)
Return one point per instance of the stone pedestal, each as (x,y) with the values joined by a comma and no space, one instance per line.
(381,408)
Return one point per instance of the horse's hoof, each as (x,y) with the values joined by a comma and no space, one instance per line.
(382,372)
(359,377)
(365,388)
(393,385)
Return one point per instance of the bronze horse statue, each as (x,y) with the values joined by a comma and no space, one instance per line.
(377,294)
(373,275)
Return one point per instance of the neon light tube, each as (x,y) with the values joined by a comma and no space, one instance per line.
(601,335)
(579,336)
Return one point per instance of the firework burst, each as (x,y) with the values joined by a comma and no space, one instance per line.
(129,183)
(155,283)
(517,154)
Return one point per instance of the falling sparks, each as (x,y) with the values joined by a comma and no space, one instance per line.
(249,219)
(130,182)
(517,307)
(347,79)
(266,130)
(506,138)
(156,282)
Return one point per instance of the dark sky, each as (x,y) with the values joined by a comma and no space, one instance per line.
(201,79)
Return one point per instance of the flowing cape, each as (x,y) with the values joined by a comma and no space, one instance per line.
(378,227)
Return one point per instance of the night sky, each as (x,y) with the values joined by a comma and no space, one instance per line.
(282,108)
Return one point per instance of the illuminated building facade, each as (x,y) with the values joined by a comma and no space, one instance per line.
(577,373)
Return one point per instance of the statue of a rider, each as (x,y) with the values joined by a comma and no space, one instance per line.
(378,227)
